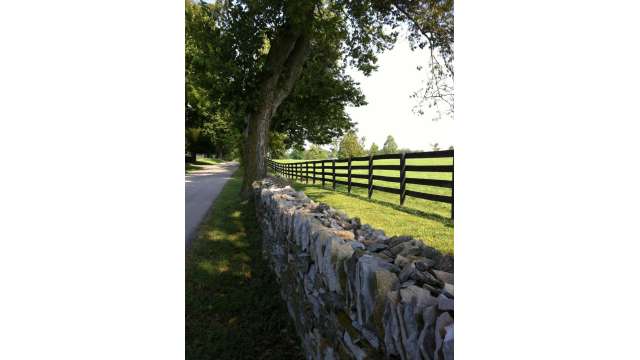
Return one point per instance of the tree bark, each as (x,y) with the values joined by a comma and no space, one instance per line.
(282,68)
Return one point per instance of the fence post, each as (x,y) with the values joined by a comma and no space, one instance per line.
(370,187)
(349,176)
(403,178)
(333,166)
(314,173)
(300,171)
(322,173)
(452,185)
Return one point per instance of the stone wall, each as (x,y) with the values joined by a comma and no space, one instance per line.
(351,291)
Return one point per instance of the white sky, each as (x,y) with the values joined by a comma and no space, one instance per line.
(388,92)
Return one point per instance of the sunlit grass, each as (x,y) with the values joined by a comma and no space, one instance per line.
(411,204)
(432,230)
(200,163)
(426,220)
(207,161)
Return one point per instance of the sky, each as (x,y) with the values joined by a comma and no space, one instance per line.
(389,109)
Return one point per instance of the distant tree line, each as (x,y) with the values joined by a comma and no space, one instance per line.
(349,145)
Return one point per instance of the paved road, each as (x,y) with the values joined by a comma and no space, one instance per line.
(201,188)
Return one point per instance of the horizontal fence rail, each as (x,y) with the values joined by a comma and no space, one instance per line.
(324,171)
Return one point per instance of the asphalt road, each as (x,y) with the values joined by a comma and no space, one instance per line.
(201,188)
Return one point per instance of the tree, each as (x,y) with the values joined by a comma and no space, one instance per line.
(390,146)
(435,147)
(431,23)
(295,27)
(203,89)
(350,146)
(451,147)
(198,141)
(335,146)
(315,152)
(277,65)
(277,147)
(373,150)
(296,154)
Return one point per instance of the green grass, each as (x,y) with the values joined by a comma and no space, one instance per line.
(286,161)
(207,161)
(415,205)
(233,306)
(189,167)
(426,220)
(200,163)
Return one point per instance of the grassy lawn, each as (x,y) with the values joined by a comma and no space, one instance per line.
(422,219)
(417,206)
(233,305)
(200,162)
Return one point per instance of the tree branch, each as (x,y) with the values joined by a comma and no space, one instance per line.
(281,48)
(292,69)
(425,33)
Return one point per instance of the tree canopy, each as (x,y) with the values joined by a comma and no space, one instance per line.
(373,150)
(350,145)
(209,126)
(390,146)
(315,152)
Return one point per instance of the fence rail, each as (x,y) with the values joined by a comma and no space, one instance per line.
(325,171)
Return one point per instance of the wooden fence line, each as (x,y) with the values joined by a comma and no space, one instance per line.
(300,170)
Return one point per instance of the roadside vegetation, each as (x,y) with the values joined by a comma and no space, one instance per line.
(233,305)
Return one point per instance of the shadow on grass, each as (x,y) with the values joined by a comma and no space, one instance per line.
(447,222)
(233,308)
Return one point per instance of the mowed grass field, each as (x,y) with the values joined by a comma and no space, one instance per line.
(419,206)
(426,220)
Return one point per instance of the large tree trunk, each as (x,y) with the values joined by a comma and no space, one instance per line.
(282,68)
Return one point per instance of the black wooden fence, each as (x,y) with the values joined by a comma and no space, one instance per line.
(319,170)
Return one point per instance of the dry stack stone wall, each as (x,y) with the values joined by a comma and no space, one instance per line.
(352,292)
